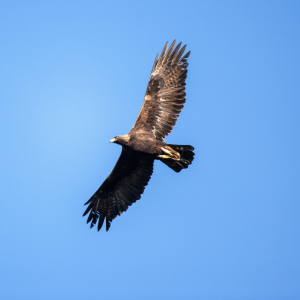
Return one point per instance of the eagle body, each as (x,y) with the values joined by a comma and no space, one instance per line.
(142,143)
(163,102)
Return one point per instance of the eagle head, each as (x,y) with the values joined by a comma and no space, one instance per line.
(120,139)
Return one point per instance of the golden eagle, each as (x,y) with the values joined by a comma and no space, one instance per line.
(164,99)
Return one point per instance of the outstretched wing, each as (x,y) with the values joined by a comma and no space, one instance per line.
(165,95)
(121,188)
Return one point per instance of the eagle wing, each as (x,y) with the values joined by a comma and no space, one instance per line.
(121,188)
(165,95)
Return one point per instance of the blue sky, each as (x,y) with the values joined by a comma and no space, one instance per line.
(73,75)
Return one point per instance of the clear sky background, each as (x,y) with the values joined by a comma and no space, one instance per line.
(73,75)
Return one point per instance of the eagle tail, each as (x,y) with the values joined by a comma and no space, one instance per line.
(186,157)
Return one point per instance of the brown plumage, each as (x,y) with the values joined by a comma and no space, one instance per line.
(163,102)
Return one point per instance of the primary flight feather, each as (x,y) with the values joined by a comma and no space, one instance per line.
(163,102)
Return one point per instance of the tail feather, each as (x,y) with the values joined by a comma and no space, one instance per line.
(186,157)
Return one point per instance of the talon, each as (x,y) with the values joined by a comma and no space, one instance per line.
(163,156)
(167,151)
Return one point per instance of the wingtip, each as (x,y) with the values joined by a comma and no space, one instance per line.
(186,55)
(173,44)
(162,55)
(87,210)
(107,224)
(87,202)
(89,219)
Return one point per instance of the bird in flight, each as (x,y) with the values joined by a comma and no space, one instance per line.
(163,102)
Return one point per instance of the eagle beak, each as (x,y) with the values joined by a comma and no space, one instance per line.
(113,140)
